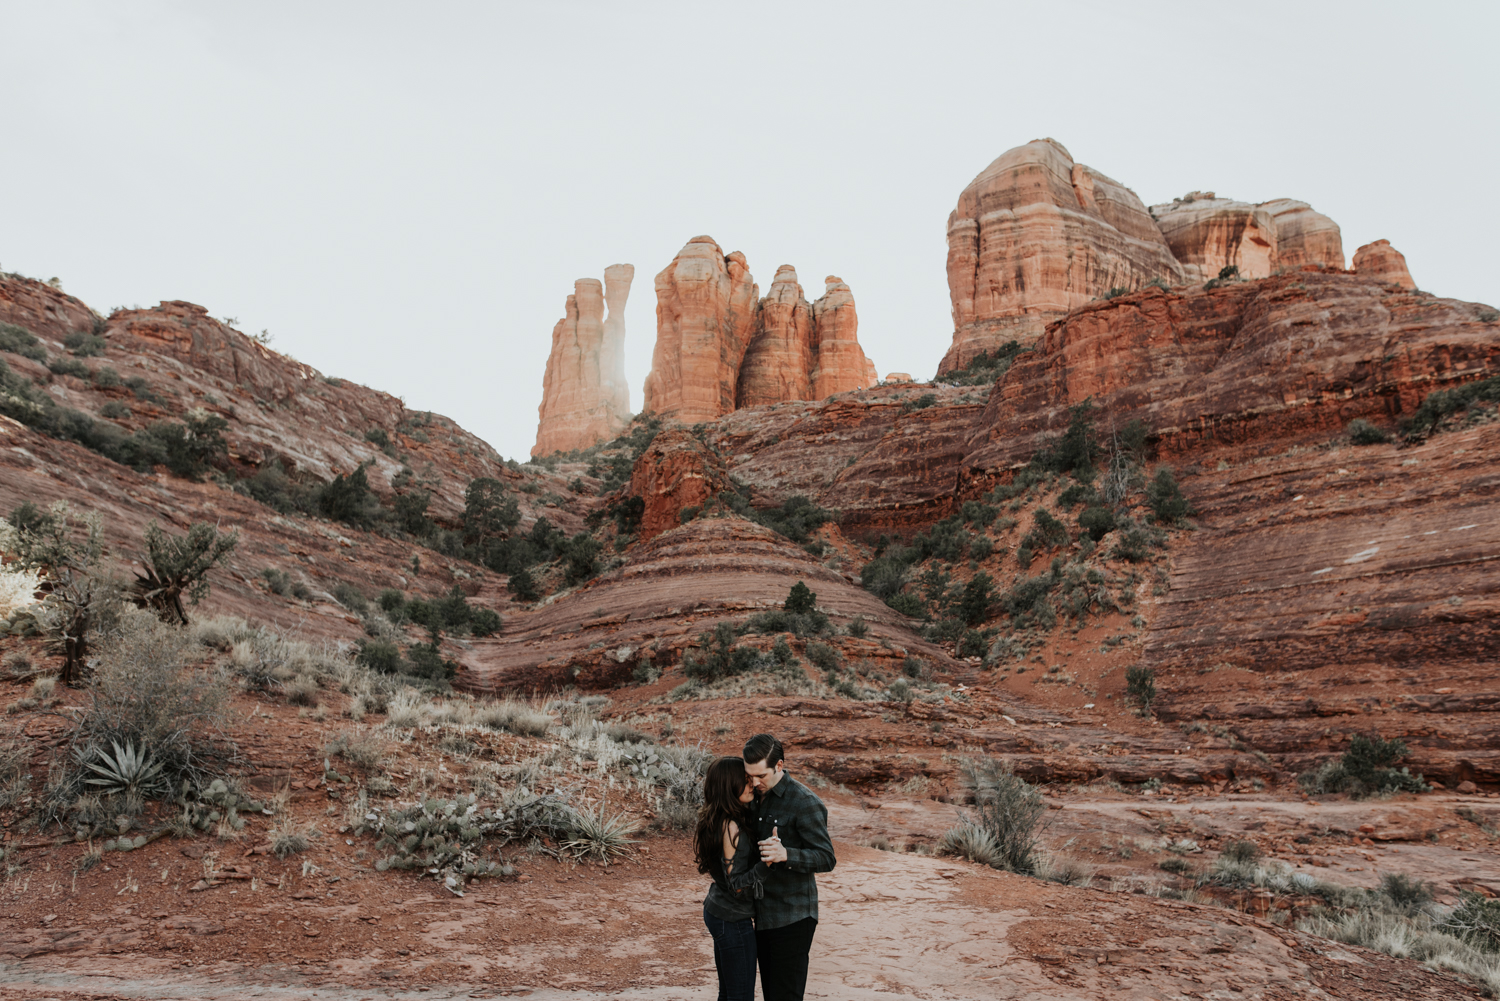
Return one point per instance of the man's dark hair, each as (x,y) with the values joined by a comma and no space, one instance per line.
(764,747)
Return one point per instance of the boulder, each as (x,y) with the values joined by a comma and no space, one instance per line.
(707,308)
(1035,235)
(585,398)
(1383,262)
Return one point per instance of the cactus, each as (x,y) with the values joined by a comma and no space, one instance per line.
(443,838)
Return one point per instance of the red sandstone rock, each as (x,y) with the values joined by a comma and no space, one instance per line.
(1383,262)
(779,363)
(677,471)
(1304,236)
(1035,235)
(842,365)
(585,398)
(706,315)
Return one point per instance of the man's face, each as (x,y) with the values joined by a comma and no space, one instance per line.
(761,777)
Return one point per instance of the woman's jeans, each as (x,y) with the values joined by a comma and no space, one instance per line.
(734,956)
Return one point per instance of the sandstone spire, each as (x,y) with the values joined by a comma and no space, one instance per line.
(1382,261)
(1035,235)
(706,313)
(841,362)
(780,360)
(585,398)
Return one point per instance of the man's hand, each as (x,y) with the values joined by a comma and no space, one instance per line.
(772,850)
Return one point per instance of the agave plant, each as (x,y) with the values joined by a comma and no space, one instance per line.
(129,771)
(596,835)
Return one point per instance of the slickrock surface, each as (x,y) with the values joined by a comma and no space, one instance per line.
(1383,262)
(585,398)
(706,315)
(1035,235)
(671,589)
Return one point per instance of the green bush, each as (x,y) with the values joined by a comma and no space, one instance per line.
(1140,684)
(177,566)
(1365,769)
(69,366)
(1076,450)
(348,498)
(1008,808)
(382,656)
(523,585)
(1097,521)
(978,594)
(984,368)
(19,340)
(84,344)
(106,377)
(799,624)
(1362,432)
(1046,532)
(822,656)
(1443,403)
(800,600)
(976,513)
(1166,499)
(908,604)
(116,410)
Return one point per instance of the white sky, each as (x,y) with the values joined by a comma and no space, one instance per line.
(403,194)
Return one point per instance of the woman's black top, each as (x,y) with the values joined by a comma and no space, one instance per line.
(733,899)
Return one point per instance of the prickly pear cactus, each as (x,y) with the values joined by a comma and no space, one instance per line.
(442,838)
(215,803)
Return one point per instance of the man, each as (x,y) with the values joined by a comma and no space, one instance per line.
(792,828)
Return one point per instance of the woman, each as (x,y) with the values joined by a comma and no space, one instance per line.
(734,864)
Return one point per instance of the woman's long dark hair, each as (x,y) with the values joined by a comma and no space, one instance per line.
(722,787)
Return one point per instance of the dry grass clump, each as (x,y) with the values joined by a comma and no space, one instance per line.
(362,750)
(288,837)
(968,840)
(1008,807)
(520,718)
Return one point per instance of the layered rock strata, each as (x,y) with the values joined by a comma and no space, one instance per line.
(585,398)
(1208,233)
(719,348)
(1035,235)
(1383,262)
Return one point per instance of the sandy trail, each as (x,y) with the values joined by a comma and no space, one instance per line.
(892,925)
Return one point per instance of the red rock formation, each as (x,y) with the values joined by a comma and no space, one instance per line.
(706,314)
(1383,262)
(1304,236)
(1035,235)
(781,358)
(1297,353)
(585,398)
(842,364)
(1207,234)
(718,350)
(677,471)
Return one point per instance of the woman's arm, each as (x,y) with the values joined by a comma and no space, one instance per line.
(746,872)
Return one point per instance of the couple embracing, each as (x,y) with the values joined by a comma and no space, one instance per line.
(761,836)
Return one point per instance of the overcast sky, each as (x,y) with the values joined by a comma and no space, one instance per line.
(403,194)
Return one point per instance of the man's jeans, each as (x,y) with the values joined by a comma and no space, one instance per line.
(783,959)
(734,957)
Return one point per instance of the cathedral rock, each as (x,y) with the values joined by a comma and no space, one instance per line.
(720,347)
(585,399)
(1036,235)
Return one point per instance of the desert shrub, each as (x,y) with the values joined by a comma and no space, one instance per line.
(885,575)
(1241,851)
(984,368)
(582,557)
(977,513)
(1441,404)
(1028,602)
(1046,532)
(272,487)
(348,498)
(800,600)
(778,620)
(1404,893)
(513,717)
(362,750)
(908,604)
(288,837)
(1166,499)
(1365,769)
(442,838)
(981,548)
(148,698)
(351,597)
(1476,920)
(1362,432)
(523,585)
(1097,521)
(858,628)
(1140,684)
(1075,450)
(106,377)
(599,835)
(945,540)
(62,365)
(1136,541)
(382,656)
(823,656)
(85,344)
(968,840)
(490,512)
(409,510)
(920,403)
(1008,807)
(1179,866)
(1077,493)
(18,340)
(426,661)
(978,595)
(177,566)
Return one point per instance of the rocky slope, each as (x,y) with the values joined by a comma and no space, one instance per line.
(585,398)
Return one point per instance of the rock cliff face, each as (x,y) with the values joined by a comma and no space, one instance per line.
(585,398)
(1207,234)
(1294,354)
(1383,262)
(719,348)
(1035,235)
